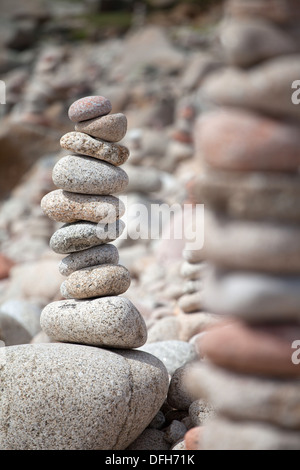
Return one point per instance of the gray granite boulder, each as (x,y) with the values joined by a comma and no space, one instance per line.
(66,396)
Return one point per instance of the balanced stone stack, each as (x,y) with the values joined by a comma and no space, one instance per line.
(75,392)
(250,145)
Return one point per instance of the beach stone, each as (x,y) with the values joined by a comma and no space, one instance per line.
(192,439)
(173,354)
(248,397)
(112,322)
(89,107)
(102,254)
(233,139)
(142,181)
(150,439)
(86,175)
(266,88)
(12,331)
(96,281)
(246,42)
(111,128)
(166,328)
(222,434)
(81,143)
(63,206)
(79,236)
(179,445)
(252,195)
(192,272)
(277,11)
(190,303)
(178,394)
(100,394)
(253,297)
(200,412)
(26,313)
(252,245)
(175,432)
(261,350)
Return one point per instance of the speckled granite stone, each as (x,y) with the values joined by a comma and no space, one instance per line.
(86,175)
(82,235)
(102,254)
(96,281)
(63,206)
(111,128)
(69,396)
(78,142)
(89,107)
(113,322)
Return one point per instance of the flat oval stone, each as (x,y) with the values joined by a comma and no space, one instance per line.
(82,235)
(252,296)
(78,142)
(247,397)
(251,195)
(261,350)
(72,397)
(96,281)
(245,141)
(102,254)
(89,107)
(252,245)
(63,206)
(113,322)
(111,128)
(255,88)
(85,175)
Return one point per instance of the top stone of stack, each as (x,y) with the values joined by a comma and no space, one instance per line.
(89,107)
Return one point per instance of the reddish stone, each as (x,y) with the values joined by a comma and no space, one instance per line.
(260,350)
(5,266)
(192,438)
(244,141)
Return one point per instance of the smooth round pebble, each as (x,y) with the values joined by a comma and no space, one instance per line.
(173,354)
(79,236)
(200,412)
(84,144)
(89,107)
(150,439)
(102,254)
(175,432)
(74,397)
(252,296)
(179,396)
(113,322)
(96,281)
(111,128)
(251,245)
(264,350)
(86,175)
(63,206)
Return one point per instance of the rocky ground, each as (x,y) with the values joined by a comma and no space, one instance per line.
(152,74)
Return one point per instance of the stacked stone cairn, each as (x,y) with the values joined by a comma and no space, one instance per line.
(86,389)
(250,146)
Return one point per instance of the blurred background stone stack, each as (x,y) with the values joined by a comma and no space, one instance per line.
(248,143)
